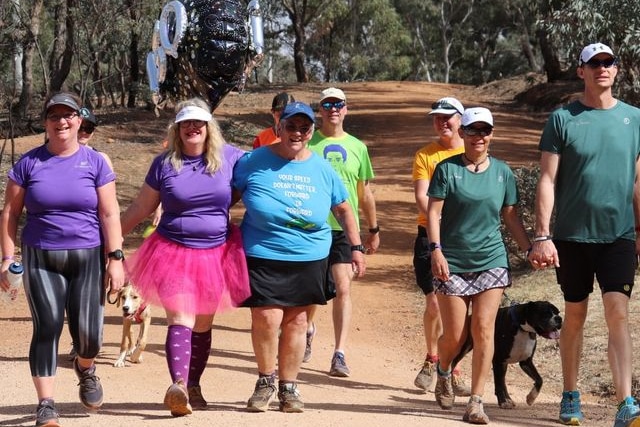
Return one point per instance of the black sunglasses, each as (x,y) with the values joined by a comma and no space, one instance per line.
(444,106)
(606,63)
(87,129)
(471,131)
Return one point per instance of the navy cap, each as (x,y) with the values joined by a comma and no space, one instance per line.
(297,108)
(88,116)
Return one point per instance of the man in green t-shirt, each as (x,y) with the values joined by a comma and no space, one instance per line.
(350,159)
(588,171)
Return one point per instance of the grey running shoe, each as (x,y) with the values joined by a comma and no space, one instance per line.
(444,392)
(307,350)
(176,399)
(425,378)
(90,388)
(460,389)
(290,398)
(475,412)
(46,414)
(339,367)
(195,397)
(262,394)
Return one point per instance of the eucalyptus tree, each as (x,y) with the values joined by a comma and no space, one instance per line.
(577,23)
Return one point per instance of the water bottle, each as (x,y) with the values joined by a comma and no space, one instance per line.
(14,274)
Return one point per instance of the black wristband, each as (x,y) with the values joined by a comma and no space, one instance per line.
(360,248)
(374,230)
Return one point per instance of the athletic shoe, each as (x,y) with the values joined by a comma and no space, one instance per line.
(289,398)
(90,388)
(176,399)
(307,350)
(475,412)
(425,379)
(628,412)
(444,391)
(339,367)
(196,400)
(46,414)
(460,389)
(262,394)
(570,412)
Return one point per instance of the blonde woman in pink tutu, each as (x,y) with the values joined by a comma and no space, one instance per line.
(193,265)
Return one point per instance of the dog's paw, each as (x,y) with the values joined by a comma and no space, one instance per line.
(119,363)
(136,356)
(532,396)
(508,404)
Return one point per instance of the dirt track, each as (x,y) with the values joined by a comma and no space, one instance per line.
(386,345)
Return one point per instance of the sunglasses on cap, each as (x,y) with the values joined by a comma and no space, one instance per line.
(444,105)
(597,63)
(87,129)
(328,105)
(471,131)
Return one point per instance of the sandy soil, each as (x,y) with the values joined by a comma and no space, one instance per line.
(385,346)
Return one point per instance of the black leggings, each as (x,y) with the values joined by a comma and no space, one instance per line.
(59,280)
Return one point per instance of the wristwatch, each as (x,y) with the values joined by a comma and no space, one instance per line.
(433,246)
(117,255)
(360,248)
(375,229)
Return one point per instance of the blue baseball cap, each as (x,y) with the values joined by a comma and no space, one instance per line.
(297,108)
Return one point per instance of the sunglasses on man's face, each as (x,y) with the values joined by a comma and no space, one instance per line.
(87,129)
(471,131)
(597,63)
(338,105)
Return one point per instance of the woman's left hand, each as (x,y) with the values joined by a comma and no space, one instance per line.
(115,275)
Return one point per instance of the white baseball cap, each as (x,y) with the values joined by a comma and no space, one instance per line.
(191,112)
(477,114)
(332,92)
(447,106)
(592,50)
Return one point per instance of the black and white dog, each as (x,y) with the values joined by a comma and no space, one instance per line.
(516,332)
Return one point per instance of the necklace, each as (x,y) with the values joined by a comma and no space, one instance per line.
(192,162)
(476,168)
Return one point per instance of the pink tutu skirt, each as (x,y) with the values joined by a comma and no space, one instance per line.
(188,280)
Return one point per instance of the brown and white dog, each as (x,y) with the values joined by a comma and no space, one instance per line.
(134,310)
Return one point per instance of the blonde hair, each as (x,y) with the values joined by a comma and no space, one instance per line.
(212,145)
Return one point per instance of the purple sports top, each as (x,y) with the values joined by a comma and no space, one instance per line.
(195,203)
(61,197)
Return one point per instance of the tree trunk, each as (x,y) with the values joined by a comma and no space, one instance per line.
(62,53)
(134,61)
(551,61)
(29,47)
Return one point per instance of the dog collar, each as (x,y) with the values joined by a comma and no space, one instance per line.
(137,316)
(518,323)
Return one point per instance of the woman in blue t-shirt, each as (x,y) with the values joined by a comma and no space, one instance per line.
(288,192)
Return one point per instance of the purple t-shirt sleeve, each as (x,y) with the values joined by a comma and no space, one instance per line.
(61,198)
(195,203)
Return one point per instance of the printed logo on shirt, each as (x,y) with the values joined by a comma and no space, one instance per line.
(84,164)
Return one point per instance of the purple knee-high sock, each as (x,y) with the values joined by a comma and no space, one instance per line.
(178,350)
(200,349)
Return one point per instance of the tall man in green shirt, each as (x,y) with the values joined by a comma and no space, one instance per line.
(350,159)
(589,170)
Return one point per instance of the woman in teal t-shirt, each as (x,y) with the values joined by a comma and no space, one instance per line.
(467,196)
